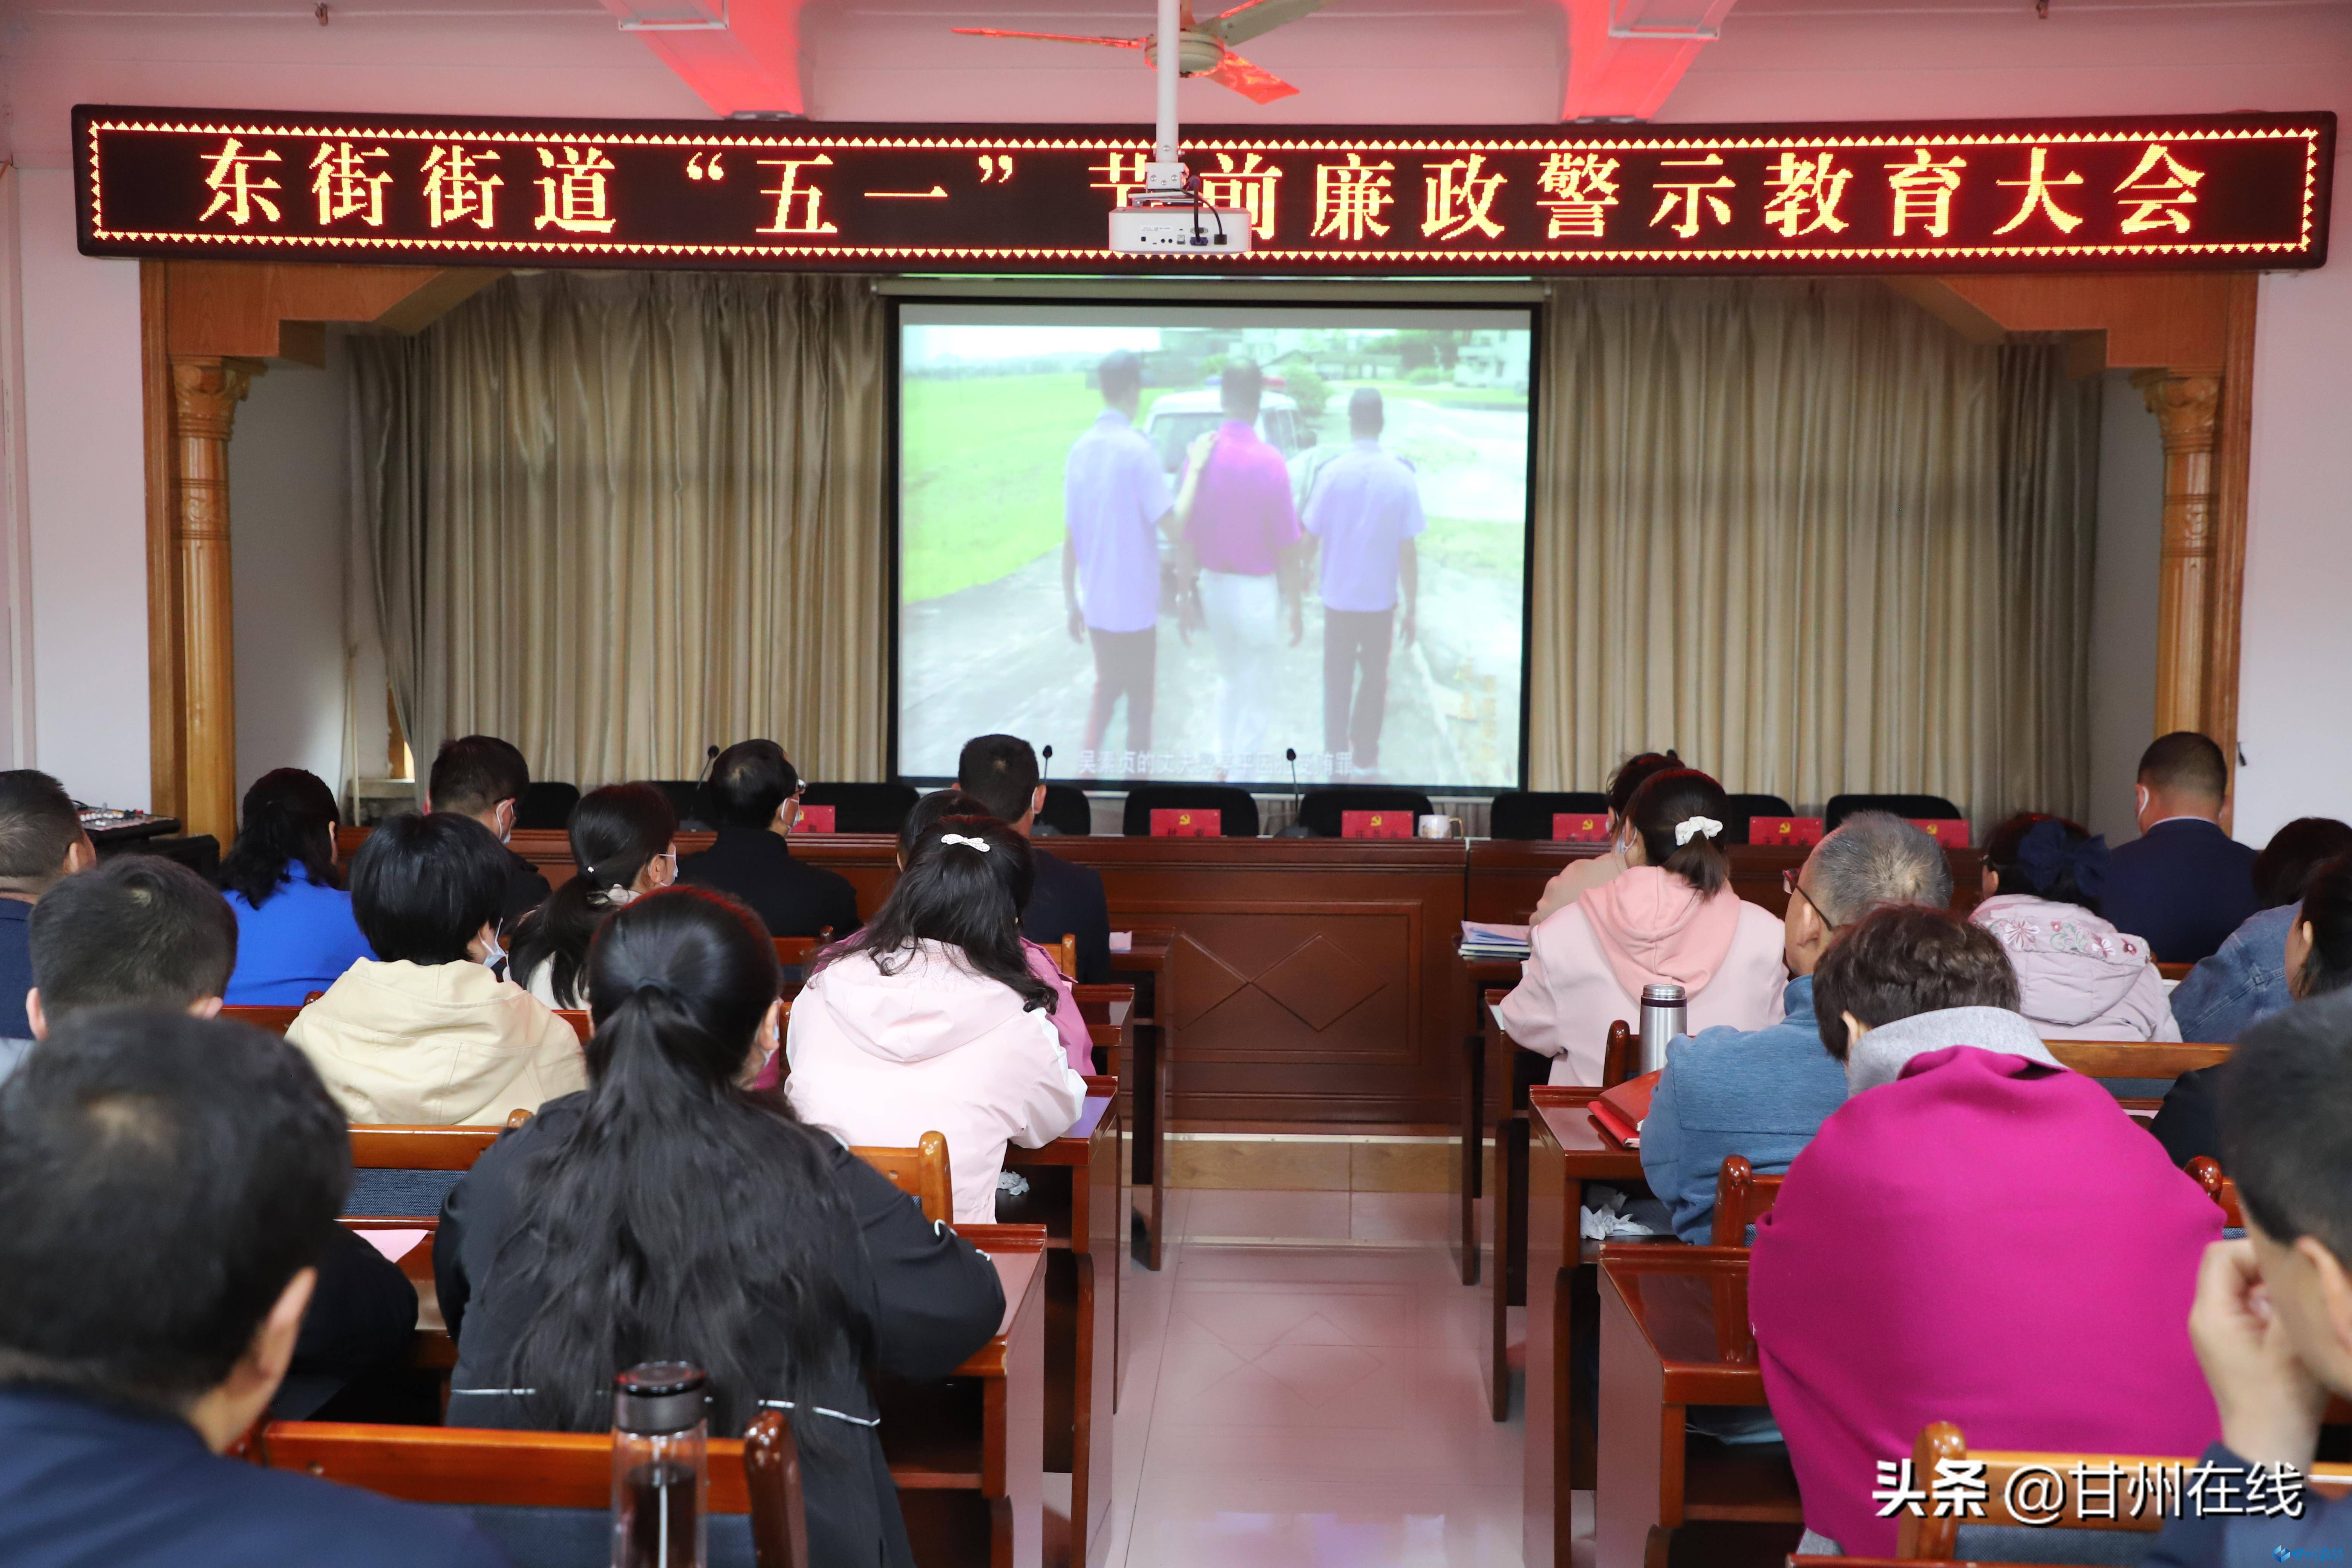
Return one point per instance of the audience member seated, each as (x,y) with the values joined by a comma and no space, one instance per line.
(2245,980)
(486,778)
(144,931)
(1067,1023)
(41,841)
(295,929)
(2080,978)
(1001,773)
(1763,1094)
(423,1034)
(755,795)
(168,1183)
(929,1020)
(1579,877)
(667,1208)
(1979,1236)
(2318,963)
(2184,884)
(2273,1318)
(1671,916)
(623,846)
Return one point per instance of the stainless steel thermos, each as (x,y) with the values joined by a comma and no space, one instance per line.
(1665,1013)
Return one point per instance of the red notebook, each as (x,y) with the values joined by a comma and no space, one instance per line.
(1797,830)
(1376,825)
(1951,832)
(1577,827)
(1620,1110)
(815,819)
(1188,822)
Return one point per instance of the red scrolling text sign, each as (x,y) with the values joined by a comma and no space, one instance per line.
(2242,192)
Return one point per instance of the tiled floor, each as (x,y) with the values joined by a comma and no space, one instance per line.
(1303,1389)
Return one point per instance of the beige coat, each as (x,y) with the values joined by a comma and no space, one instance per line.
(441,1045)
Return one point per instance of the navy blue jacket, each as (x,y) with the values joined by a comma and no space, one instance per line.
(2183,886)
(83,1482)
(15,968)
(1067,901)
(758,868)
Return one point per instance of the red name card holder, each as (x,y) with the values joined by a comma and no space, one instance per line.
(1376,825)
(1952,832)
(1577,827)
(1788,830)
(1191,822)
(815,819)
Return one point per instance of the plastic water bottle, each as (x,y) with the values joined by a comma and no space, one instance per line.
(1665,1013)
(661,1472)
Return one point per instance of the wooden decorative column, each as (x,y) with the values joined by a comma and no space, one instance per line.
(205,391)
(2187,405)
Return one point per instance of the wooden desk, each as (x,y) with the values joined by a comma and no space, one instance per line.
(1075,1191)
(1483,1097)
(1674,1334)
(968,1454)
(1566,1150)
(1149,1067)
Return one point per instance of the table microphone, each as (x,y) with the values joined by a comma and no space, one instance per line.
(1297,829)
(1048,755)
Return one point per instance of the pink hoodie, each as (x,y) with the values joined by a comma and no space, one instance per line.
(882,1059)
(1071,1027)
(1591,959)
(1986,1240)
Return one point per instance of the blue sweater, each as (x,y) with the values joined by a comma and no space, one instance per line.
(1760,1093)
(301,940)
(2242,983)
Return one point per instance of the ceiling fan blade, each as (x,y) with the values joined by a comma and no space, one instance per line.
(1246,21)
(1253,82)
(1050,38)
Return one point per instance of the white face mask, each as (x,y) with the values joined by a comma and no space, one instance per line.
(494,957)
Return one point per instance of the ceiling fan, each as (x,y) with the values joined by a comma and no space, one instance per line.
(1202,48)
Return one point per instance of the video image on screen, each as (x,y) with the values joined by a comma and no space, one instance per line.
(1176,542)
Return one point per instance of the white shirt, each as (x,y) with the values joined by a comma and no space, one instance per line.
(1365,505)
(1114,493)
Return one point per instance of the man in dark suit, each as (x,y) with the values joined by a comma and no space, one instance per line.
(2184,884)
(169,1181)
(755,796)
(1001,773)
(484,777)
(41,843)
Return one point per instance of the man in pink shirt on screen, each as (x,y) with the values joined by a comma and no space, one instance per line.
(1237,521)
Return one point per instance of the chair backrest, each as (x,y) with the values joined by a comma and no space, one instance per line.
(1067,812)
(686,799)
(1620,1057)
(1320,810)
(274,1019)
(2174,970)
(793,951)
(1239,811)
(546,807)
(864,807)
(2206,1172)
(760,1475)
(1911,808)
(1740,1194)
(1066,955)
(921,1173)
(2137,1059)
(1745,808)
(410,1169)
(1941,1442)
(1528,814)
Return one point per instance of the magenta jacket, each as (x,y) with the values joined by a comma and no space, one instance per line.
(1988,1241)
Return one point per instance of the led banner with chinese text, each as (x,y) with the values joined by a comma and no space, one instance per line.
(2242,192)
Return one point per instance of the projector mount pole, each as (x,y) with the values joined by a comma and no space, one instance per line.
(1165,178)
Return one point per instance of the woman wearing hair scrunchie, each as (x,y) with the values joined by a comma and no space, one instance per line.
(623,848)
(929,1020)
(1671,916)
(2080,978)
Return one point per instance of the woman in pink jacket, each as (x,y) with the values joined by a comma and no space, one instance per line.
(1671,916)
(929,1020)
(2081,978)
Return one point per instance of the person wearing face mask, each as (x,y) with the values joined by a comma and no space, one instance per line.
(2184,884)
(1579,877)
(424,1034)
(623,844)
(2318,963)
(484,777)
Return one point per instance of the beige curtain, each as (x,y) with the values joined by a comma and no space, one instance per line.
(1806,534)
(615,518)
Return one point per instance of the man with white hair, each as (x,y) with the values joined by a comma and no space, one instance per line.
(1763,1094)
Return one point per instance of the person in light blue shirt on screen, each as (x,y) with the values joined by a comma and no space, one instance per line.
(295,931)
(1364,513)
(1763,1094)
(1115,507)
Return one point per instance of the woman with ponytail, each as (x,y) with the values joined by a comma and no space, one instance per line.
(669,1213)
(929,1019)
(1670,916)
(623,848)
(2080,978)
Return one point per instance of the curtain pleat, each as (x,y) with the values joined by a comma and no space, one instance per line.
(616,517)
(1807,535)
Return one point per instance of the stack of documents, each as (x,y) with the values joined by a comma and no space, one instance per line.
(1481,940)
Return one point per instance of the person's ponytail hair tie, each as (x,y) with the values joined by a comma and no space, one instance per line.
(1691,828)
(1679,814)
